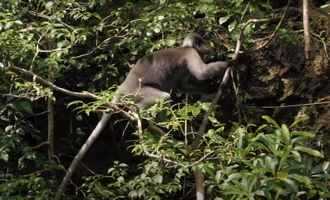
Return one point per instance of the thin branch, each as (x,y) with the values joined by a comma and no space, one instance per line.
(291,106)
(50,116)
(83,94)
(323,43)
(44,82)
(51,127)
(307,37)
(44,143)
(313,11)
(14,96)
(200,160)
(33,13)
(52,50)
(96,48)
(145,151)
(277,28)
(36,53)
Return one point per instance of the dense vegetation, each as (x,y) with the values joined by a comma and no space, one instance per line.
(267,136)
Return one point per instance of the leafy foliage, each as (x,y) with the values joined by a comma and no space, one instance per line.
(86,45)
(18,159)
(270,162)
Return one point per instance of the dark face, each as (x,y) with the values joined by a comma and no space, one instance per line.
(203,50)
(200,44)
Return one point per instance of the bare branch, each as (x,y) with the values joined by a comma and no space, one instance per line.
(84,94)
(51,85)
(50,19)
(272,36)
(14,96)
(306,29)
(292,105)
(44,143)
(324,44)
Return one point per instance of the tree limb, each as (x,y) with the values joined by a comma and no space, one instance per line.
(307,37)
(44,82)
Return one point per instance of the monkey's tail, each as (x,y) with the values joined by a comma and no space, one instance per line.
(83,150)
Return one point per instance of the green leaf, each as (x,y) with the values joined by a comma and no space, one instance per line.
(4,156)
(270,121)
(223,20)
(49,5)
(302,179)
(232,26)
(298,120)
(309,151)
(285,134)
(290,183)
(218,176)
(271,163)
(133,194)
(296,155)
(158,179)
(24,106)
(325,166)
(305,134)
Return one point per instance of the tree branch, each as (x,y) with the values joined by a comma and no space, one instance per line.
(44,82)
(306,29)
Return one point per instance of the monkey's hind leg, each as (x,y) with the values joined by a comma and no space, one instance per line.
(150,96)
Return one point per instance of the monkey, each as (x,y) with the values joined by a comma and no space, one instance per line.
(151,79)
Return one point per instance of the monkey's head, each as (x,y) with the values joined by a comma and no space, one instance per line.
(197,42)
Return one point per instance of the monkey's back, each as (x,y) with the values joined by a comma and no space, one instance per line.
(162,69)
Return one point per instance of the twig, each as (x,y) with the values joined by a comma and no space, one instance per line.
(36,53)
(15,96)
(200,160)
(237,102)
(146,152)
(44,143)
(323,43)
(291,106)
(96,47)
(272,36)
(52,50)
(50,19)
(313,11)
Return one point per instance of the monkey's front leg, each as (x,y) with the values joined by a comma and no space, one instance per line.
(215,68)
(202,71)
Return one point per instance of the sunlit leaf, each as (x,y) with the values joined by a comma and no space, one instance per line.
(309,151)
(270,120)
(285,133)
(223,20)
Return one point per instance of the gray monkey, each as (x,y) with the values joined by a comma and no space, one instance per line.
(152,79)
